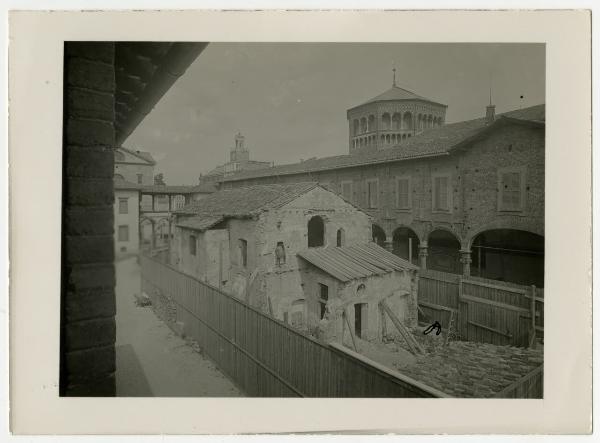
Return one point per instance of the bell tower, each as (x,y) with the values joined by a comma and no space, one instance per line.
(239,153)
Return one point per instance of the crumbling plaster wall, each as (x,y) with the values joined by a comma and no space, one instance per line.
(399,290)
(289,224)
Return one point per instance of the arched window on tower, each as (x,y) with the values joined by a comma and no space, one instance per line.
(385,121)
(316,232)
(407,121)
(363,125)
(355,127)
(371,123)
(396,121)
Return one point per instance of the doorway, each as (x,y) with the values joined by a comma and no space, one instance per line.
(360,319)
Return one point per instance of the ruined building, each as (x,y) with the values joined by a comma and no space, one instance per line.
(299,252)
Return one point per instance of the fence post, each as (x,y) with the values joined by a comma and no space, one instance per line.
(532,306)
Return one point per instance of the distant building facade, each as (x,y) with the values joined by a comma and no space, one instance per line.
(126,216)
(239,160)
(134,166)
(144,203)
(132,169)
(280,248)
(465,198)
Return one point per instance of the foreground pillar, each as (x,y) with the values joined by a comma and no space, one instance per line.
(87,338)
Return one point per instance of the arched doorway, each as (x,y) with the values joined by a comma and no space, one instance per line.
(316,232)
(509,255)
(405,244)
(146,232)
(443,252)
(379,236)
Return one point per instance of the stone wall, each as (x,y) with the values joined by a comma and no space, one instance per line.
(510,146)
(473,181)
(87,347)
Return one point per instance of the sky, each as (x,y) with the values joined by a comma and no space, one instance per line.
(290,99)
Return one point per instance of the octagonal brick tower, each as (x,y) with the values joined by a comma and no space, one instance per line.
(390,118)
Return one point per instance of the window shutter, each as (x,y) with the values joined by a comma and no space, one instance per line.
(403,193)
(511,191)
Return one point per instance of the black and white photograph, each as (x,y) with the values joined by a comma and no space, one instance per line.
(305,219)
(318,221)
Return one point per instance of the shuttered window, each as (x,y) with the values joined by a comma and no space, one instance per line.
(347,190)
(123,206)
(440,194)
(511,198)
(124,233)
(403,193)
(372,194)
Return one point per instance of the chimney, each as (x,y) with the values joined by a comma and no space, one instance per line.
(490,110)
(490,113)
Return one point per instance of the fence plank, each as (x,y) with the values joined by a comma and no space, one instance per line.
(262,355)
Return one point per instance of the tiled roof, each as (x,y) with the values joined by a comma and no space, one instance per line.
(199,222)
(532,114)
(398,93)
(432,142)
(247,201)
(124,184)
(357,261)
(146,156)
(204,188)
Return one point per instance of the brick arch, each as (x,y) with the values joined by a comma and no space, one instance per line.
(428,232)
(515,224)
(418,232)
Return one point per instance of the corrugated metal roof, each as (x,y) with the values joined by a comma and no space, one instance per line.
(357,261)
(199,222)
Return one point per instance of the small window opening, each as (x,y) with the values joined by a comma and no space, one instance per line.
(316,232)
(280,254)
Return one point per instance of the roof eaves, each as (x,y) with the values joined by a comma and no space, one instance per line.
(136,154)
(328,168)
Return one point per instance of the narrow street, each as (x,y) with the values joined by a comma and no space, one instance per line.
(151,359)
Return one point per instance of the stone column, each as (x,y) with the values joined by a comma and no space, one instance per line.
(388,244)
(465,259)
(423,254)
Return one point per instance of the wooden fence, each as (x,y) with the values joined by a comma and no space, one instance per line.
(485,310)
(266,357)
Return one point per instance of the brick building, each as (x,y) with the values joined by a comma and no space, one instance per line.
(465,197)
(297,251)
